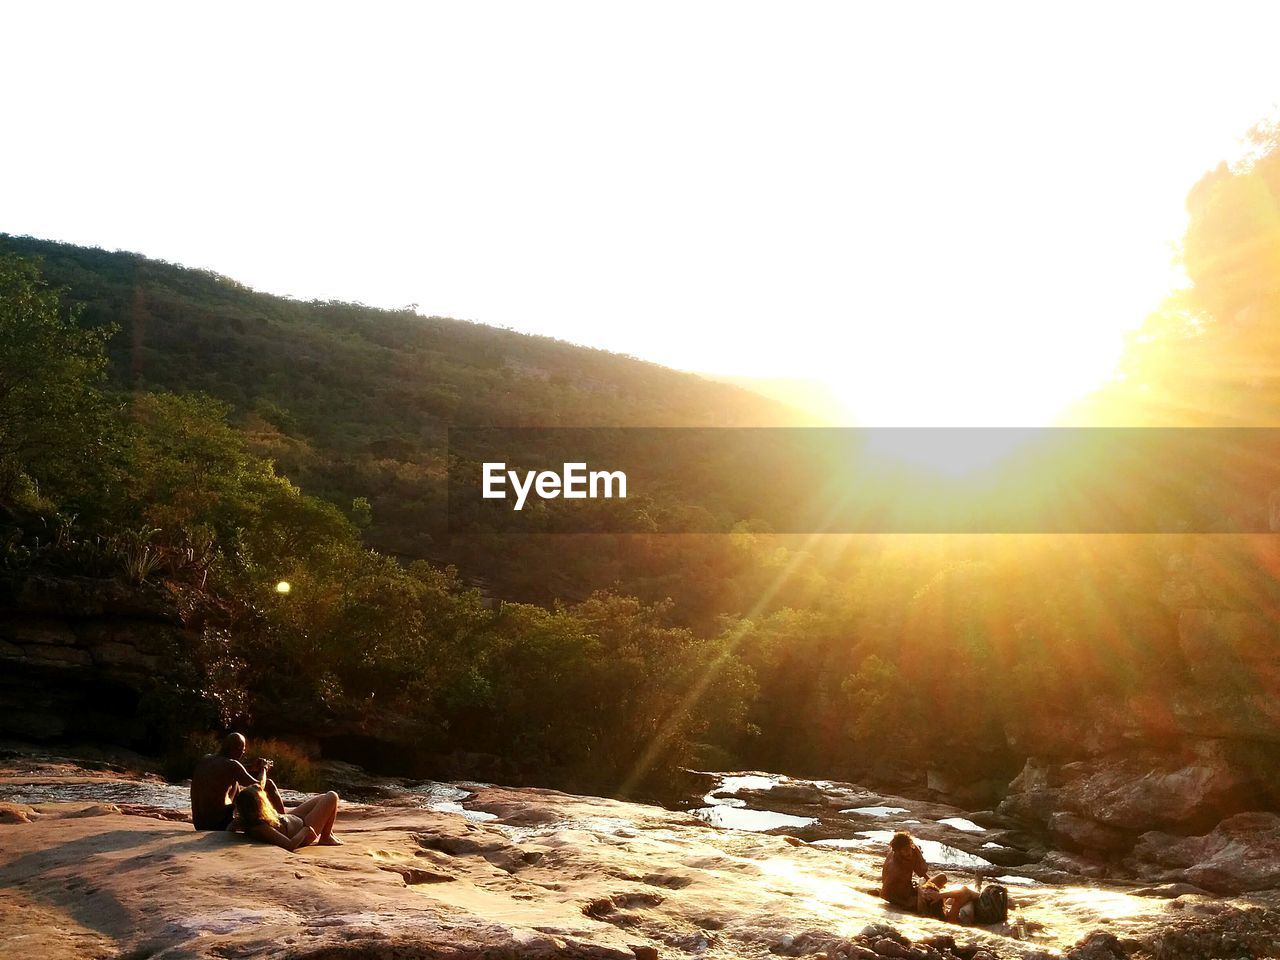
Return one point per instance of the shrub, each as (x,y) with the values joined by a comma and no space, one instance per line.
(293,769)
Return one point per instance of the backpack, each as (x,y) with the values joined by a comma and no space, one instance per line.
(992,905)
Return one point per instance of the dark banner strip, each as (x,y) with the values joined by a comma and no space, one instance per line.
(997,480)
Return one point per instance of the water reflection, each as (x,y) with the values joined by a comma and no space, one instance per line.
(747,782)
(877,811)
(739,818)
(423,795)
(960,823)
(167,795)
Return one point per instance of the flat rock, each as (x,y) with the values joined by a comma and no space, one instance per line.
(17,813)
(413,883)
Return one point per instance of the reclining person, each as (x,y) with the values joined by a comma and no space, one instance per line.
(216,778)
(959,905)
(310,822)
(956,904)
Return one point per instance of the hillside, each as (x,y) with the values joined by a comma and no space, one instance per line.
(351,401)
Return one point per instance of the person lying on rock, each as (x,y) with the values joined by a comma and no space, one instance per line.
(959,904)
(216,778)
(902,865)
(953,904)
(310,822)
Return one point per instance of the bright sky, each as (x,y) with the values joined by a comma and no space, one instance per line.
(949,213)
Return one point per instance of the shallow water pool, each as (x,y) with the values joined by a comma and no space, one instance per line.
(877,811)
(755,821)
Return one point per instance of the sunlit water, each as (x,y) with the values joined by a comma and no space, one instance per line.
(725,810)
(739,818)
(440,797)
(749,782)
(960,823)
(730,813)
(935,853)
(423,795)
(167,795)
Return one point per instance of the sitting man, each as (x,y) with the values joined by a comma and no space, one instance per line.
(901,866)
(216,778)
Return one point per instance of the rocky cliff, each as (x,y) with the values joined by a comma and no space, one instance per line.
(1182,762)
(79,657)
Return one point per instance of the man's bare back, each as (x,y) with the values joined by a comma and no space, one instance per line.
(213,784)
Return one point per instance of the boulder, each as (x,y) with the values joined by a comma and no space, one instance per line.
(16,813)
(1033,794)
(889,948)
(1225,932)
(1080,833)
(1247,715)
(1170,891)
(1241,854)
(1187,788)
(962,789)
(1073,865)
(1100,725)
(800,792)
(1099,945)
(77,654)
(1006,856)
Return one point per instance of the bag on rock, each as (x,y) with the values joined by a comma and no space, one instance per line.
(992,905)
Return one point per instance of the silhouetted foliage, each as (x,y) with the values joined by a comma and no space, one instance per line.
(244,439)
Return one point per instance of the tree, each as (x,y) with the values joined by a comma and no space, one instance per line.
(1210,355)
(52,409)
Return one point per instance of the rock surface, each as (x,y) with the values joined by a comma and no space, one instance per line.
(1242,853)
(1099,805)
(77,652)
(555,875)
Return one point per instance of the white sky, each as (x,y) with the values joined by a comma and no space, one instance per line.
(948,212)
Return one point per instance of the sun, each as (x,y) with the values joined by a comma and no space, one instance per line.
(981,381)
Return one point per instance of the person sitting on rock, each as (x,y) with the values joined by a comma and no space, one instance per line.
(310,822)
(897,877)
(216,778)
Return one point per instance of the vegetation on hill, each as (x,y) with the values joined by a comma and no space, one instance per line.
(170,426)
(1210,355)
(354,403)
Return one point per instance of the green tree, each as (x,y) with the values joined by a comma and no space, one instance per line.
(53,413)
